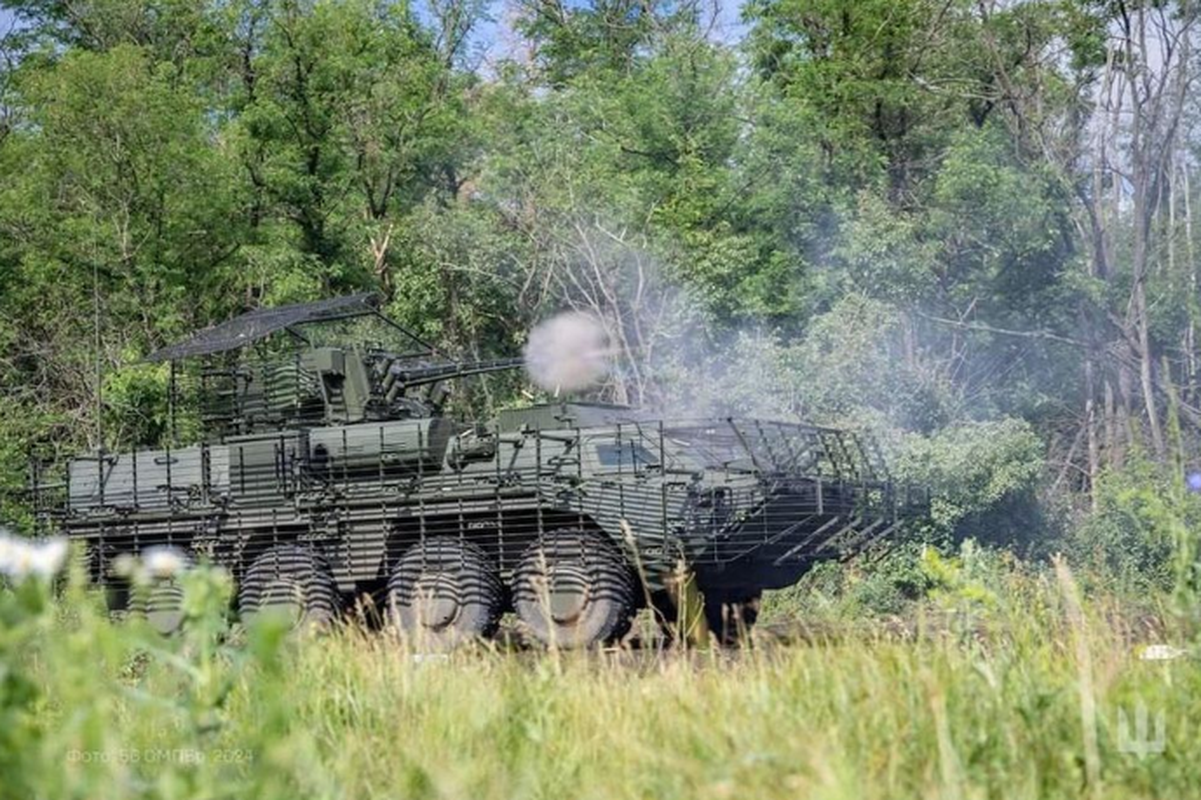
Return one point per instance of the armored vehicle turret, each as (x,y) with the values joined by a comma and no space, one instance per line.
(327,470)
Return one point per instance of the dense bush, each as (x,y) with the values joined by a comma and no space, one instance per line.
(1141,535)
(983,478)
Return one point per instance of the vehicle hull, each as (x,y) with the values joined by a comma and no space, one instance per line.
(743,505)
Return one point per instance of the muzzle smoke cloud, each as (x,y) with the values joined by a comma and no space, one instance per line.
(568,352)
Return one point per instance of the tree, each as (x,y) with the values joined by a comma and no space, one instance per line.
(346,117)
(119,217)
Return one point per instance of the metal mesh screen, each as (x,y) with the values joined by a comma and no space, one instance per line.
(263,322)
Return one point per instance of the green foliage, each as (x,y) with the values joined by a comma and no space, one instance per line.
(968,582)
(862,73)
(23,615)
(888,584)
(1140,535)
(137,399)
(884,251)
(607,37)
(119,181)
(982,477)
(343,122)
(961,584)
(92,707)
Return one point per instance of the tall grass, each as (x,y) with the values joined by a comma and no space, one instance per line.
(993,705)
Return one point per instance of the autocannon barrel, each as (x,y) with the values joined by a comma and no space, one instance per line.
(401,376)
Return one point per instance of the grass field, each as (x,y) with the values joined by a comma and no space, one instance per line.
(1017,698)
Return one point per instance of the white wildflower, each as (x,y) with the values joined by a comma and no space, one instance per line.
(46,558)
(1161,652)
(20,558)
(164,561)
(9,548)
(125,565)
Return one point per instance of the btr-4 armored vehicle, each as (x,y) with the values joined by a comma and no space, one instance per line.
(326,472)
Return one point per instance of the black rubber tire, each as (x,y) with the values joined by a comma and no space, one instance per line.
(119,598)
(599,590)
(160,604)
(292,579)
(444,593)
(730,618)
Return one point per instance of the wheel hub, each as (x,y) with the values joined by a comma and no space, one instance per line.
(437,601)
(568,593)
(284,600)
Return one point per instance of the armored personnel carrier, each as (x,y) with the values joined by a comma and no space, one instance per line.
(327,471)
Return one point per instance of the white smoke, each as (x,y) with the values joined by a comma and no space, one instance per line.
(568,352)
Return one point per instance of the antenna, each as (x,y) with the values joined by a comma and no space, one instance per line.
(96,355)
